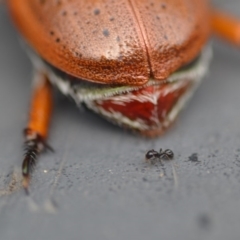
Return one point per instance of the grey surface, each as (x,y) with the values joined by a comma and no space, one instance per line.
(97,185)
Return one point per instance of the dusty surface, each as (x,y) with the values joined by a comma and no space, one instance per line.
(97,185)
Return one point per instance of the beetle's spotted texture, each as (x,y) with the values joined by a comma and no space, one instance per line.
(114,42)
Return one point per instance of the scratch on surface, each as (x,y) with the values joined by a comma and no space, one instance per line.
(14,184)
(175,177)
(50,205)
(32,205)
(59,173)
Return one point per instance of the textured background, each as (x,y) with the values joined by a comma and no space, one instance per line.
(97,185)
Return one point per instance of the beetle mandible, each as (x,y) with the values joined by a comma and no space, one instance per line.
(135,62)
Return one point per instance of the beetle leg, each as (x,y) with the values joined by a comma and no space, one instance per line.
(37,128)
(226,26)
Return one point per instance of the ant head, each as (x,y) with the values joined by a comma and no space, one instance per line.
(151,154)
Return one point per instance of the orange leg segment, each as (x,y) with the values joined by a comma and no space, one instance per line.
(41,107)
(226,26)
(37,128)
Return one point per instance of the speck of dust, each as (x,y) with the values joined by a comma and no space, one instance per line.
(106,33)
(193,158)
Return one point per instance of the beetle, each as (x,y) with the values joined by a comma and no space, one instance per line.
(135,62)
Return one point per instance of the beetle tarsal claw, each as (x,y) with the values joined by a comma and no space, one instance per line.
(25,183)
(34,145)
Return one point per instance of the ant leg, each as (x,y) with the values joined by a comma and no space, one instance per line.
(167,154)
(226,26)
(163,155)
(37,127)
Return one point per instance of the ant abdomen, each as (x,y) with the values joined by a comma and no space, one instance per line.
(168,153)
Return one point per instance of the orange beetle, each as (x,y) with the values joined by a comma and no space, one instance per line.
(135,62)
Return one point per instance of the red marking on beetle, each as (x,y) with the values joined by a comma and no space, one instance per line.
(149,105)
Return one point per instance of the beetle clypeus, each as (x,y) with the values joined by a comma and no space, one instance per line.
(135,62)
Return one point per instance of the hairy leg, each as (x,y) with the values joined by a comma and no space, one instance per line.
(38,123)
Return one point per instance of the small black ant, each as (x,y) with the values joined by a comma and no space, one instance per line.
(152,155)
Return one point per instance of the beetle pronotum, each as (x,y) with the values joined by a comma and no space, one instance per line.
(135,62)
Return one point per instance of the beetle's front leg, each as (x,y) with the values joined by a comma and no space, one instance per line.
(37,128)
(226,26)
